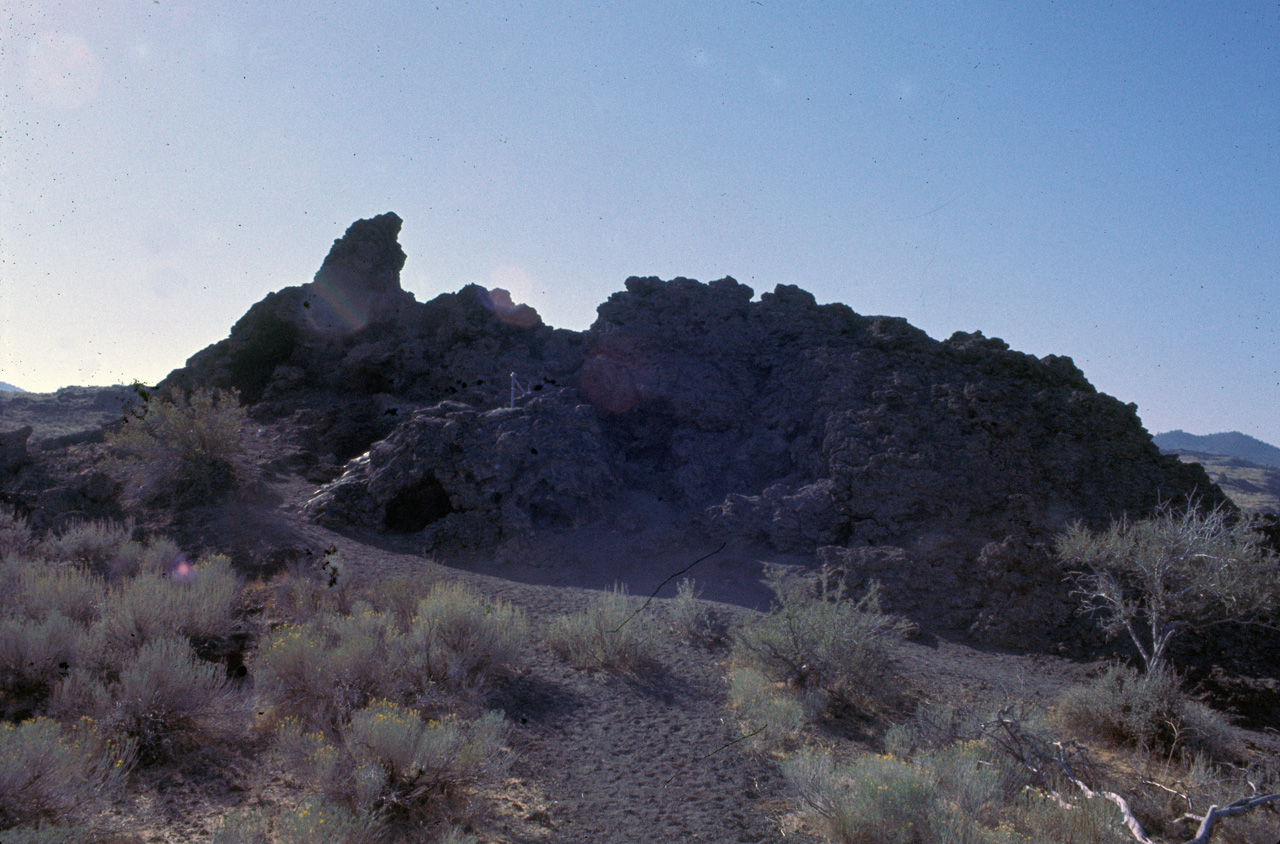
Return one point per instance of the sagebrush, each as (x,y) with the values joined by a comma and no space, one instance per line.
(184,449)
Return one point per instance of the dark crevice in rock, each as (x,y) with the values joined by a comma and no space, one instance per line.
(414,508)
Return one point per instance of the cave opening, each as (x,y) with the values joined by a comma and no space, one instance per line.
(418,506)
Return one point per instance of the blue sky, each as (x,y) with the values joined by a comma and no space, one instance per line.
(1093,180)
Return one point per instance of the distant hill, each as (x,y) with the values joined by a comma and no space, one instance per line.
(1253,487)
(1231,444)
(6,387)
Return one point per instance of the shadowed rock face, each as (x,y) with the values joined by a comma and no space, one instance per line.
(939,468)
(13,449)
(359,281)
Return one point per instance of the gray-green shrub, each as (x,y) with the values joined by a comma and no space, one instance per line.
(1095,821)
(35,655)
(398,596)
(53,774)
(690,616)
(388,761)
(320,673)
(772,716)
(1146,710)
(953,795)
(194,601)
(55,834)
(71,590)
(15,533)
(461,639)
(185,450)
(167,700)
(608,634)
(816,638)
(314,821)
(156,555)
(91,542)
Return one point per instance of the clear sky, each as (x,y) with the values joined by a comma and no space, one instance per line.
(1098,180)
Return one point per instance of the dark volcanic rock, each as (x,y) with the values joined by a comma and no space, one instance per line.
(13,449)
(352,344)
(478,476)
(942,469)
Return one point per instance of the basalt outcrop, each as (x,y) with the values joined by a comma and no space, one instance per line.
(940,468)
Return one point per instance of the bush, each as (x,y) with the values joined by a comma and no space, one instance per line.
(690,618)
(959,794)
(398,596)
(932,727)
(57,834)
(157,555)
(322,673)
(15,533)
(72,591)
(771,715)
(49,774)
(873,800)
(194,601)
(1182,569)
(184,450)
(92,543)
(608,634)
(1095,821)
(389,762)
(34,656)
(166,700)
(320,822)
(816,638)
(1149,711)
(315,821)
(460,639)
(311,589)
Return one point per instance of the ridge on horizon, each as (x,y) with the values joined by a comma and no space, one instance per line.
(1226,443)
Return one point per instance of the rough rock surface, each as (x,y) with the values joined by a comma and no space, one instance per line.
(459,473)
(13,449)
(942,469)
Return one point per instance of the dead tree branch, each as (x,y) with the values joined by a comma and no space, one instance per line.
(1039,758)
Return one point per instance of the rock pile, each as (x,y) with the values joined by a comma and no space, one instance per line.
(941,469)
